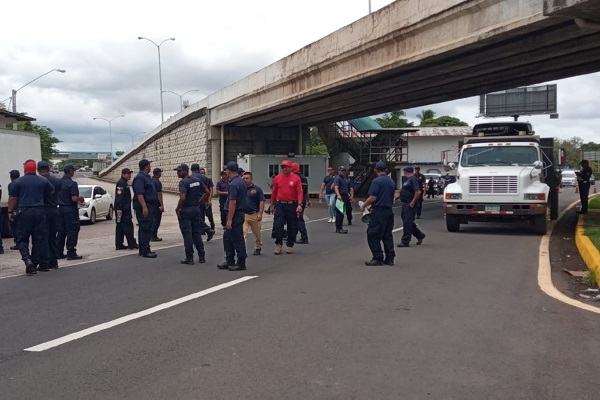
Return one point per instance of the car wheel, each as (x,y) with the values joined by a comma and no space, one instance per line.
(93,216)
(109,216)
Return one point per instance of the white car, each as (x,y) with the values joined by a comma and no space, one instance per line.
(568,178)
(98,203)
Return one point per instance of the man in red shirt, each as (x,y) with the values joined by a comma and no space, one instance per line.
(286,201)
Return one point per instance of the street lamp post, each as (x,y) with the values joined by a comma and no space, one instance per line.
(110,132)
(369,6)
(131,135)
(181,95)
(14,92)
(162,113)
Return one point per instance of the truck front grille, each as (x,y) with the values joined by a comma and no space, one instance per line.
(493,185)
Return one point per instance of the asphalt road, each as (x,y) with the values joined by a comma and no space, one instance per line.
(459,317)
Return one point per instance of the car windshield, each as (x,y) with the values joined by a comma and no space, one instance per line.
(568,174)
(499,155)
(85,191)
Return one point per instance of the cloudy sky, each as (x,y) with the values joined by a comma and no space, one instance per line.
(110,72)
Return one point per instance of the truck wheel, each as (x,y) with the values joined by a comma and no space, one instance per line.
(452,223)
(540,224)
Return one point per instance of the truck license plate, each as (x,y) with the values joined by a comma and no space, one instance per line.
(492,207)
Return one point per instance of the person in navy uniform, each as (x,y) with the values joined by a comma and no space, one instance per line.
(327,185)
(160,209)
(305,203)
(255,206)
(344,191)
(222,190)
(49,257)
(145,203)
(381,219)
(233,238)
(124,219)
(195,168)
(583,181)
(208,209)
(192,191)
(12,224)
(26,199)
(410,193)
(423,183)
(68,228)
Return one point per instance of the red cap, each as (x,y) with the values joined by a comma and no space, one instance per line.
(30,167)
(295,167)
(286,163)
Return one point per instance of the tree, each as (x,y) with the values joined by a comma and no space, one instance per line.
(426,115)
(47,140)
(315,145)
(444,120)
(119,153)
(394,120)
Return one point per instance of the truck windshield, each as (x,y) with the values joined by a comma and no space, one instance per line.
(497,155)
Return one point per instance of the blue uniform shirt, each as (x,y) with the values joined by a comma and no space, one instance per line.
(222,187)
(143,184)
(328,181)
(254,195)
(157,184)
(237,191)
(51,200)
(343,185)
(68,189)
(383,187)
(193,189)
(30,190)
(409,188)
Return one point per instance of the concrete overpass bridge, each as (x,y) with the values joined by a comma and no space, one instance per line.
(408,54)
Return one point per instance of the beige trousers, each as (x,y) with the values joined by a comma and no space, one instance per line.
(253,222)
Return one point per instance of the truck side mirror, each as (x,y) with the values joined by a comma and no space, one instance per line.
(538,164)
(451,165)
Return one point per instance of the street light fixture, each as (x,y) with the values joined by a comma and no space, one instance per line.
(131,135)
(110,132)
(181,95)
(162,113)
(14,92)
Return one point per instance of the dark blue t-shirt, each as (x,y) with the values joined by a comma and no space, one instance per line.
(51,200)
(343,185)
(143,184)
(328,181)
(222,186)
(30,190)
(193,189)
(203,178)
(409,188)
(157,184)
(237,191)
(254,195)
(68,189)
(383,187)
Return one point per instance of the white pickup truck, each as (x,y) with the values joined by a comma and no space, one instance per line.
(16,147)
(504,174)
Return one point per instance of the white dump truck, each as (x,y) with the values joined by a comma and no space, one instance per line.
(15,148)
(504,174)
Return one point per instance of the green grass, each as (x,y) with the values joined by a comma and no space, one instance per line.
(594,203)
(590,277)
(591,227)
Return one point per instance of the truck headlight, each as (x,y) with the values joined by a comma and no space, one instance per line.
(453,196)
(535,196)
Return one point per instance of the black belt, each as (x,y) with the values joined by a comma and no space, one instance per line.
(287,202)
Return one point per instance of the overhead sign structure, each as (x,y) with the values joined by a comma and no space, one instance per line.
(591,155)
(530,100)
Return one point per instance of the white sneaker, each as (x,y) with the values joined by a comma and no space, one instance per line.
(331,219)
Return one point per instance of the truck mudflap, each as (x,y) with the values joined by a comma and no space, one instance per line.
(488,211)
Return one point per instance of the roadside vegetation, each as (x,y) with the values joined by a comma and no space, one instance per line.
(592,222)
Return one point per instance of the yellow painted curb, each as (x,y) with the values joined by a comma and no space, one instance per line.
(587,250)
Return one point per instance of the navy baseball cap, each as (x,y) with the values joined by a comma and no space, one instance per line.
(69,167)
(182,167)
(143,163)
(126,171)
(14,174)
(232,166)
(341,168)
(223,173)
(409,169)
(195,167)
(157,171)
(43,164)
(380,166)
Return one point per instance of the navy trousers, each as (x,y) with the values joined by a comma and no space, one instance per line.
(68,229)
(233,240)
(48,257)
(408,222)
(145,226)
(124,229)
(32,222)
(381,224)
(189,224)
(156,219)
(285,214)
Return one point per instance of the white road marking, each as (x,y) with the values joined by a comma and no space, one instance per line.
(398,229)
(140,314)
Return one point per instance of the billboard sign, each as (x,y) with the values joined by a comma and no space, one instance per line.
(591,155)
(530,100)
